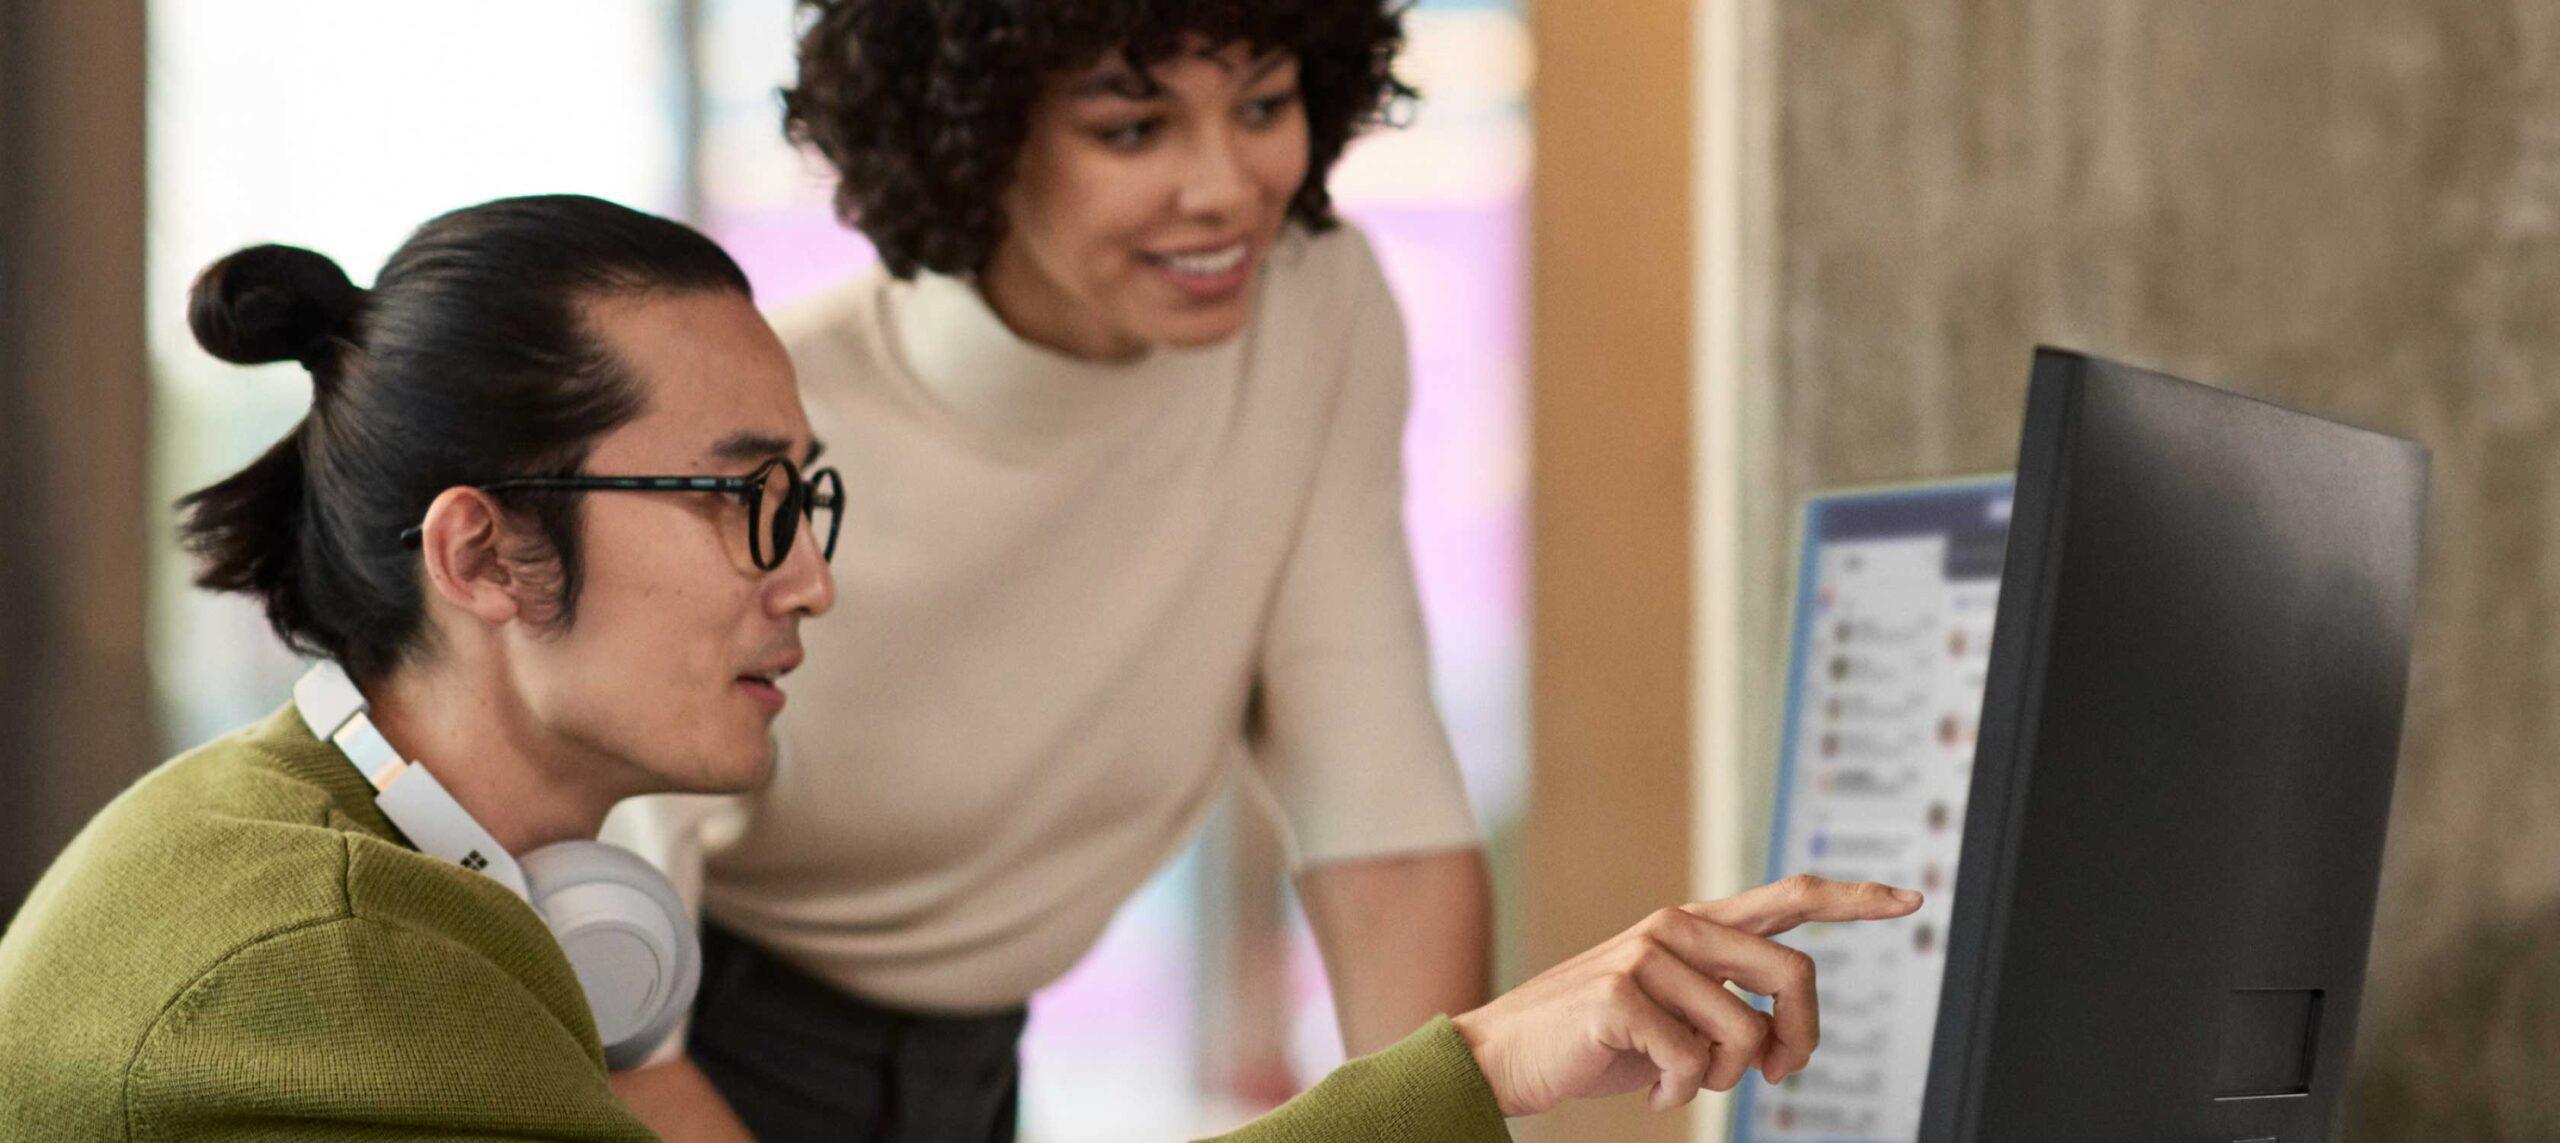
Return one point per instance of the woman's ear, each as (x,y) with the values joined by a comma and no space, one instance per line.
(464,542)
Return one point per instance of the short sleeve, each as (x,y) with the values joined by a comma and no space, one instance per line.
(358,1027)
(1345,736)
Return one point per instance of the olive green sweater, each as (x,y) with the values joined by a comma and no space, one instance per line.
(241,946)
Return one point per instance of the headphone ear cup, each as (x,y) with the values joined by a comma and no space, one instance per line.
(626,934)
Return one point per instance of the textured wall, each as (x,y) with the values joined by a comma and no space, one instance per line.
(2351,206)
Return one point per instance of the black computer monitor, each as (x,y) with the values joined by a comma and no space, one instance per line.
(2164,896)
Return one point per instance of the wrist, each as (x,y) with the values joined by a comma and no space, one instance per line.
(1482,1046)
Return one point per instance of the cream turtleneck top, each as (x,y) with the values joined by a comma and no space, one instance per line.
(1075,599)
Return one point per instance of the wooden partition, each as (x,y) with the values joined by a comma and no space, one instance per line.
(75,430)
(1611,244)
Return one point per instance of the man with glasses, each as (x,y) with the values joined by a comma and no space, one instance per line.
(546,526)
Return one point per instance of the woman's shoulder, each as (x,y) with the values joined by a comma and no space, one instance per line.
(833,320)
(1326,306)
(1326,292)
(1338,263)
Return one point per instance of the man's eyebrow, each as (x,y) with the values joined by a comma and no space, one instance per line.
(749,444)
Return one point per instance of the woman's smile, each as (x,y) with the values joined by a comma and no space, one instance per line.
(1213,274)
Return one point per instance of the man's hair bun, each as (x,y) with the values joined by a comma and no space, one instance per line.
(471,359)
(273,303)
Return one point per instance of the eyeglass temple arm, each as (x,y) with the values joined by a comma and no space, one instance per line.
(415,535)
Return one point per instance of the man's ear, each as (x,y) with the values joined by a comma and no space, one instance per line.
(463,541)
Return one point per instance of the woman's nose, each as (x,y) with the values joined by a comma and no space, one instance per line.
(1214,180)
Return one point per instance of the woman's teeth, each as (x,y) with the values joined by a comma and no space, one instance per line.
(1211,262)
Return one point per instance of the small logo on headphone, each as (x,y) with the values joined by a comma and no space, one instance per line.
(474,862)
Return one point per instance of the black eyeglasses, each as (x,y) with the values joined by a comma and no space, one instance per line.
(777,499)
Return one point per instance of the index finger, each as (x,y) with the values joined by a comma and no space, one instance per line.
(1779,906)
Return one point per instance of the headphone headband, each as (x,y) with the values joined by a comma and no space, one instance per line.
(407,792)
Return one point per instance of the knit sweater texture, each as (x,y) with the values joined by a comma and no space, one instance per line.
(241,946)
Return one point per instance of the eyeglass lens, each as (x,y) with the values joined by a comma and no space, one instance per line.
(782,500)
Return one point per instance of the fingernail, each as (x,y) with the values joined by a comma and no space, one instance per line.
(1907,896)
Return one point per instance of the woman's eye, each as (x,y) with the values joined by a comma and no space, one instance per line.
(1267,110)
(1129,136)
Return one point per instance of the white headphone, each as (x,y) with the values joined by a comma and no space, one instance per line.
(625,931)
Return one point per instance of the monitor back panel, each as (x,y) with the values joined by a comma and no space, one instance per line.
(2191,724)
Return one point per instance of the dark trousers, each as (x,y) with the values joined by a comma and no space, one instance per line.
(800,1060)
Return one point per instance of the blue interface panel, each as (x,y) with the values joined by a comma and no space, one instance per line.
(1895,592)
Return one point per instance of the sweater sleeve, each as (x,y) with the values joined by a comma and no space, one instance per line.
(1347,740)
(1424,1090)
(355,1028)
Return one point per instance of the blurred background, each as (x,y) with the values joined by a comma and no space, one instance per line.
(1670,265)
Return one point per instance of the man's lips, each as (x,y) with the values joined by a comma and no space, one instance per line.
(763,683)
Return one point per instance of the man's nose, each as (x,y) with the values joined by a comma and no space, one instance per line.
(804,584)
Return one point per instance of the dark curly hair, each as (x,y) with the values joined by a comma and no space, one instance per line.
(922,105)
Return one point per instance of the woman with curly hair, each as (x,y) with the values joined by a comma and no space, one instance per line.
(1120,418)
